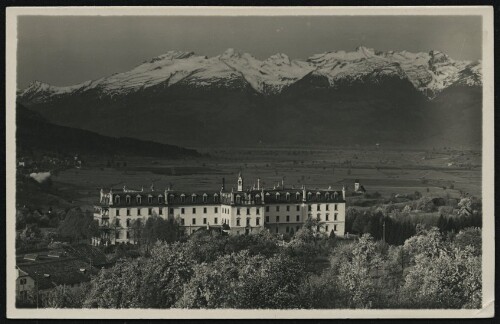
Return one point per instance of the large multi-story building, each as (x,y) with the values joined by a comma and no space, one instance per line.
(242,211)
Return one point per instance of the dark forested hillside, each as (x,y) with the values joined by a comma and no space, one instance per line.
(35,133)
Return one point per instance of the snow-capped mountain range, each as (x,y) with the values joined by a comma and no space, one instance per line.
(430,73)
(333,98)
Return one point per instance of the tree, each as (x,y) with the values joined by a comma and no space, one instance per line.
(28,237)
(360,223)
(275,284)
(137,228)
(321,291)
(76,225)
(425,204)
(153,282)
(469,237)
(441,275)
(428,242)
(357,277)
(242,280)
(159,229)
(21,218)
(66,297)
(206,246)
(94,230)
(263,243)
(351,215)
(214,284)
(449,279)
(117,287)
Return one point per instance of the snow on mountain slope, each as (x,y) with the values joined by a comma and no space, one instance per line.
(430,73)
(269,76)
(170,68)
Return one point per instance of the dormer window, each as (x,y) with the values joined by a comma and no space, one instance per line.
(150,199)
(117,199)
(335,194)
(216,198)
(309,196)
(297,196)
(138,199)
(183,198)
(288,196)
(127,199)
(327,196)
(171,198)
(257,199)
(238,199)
(160,199)
(193,198)
(318,195)
(205,198)
(277,196)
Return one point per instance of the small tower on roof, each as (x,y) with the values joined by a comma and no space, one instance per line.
(240,182)
(356,185)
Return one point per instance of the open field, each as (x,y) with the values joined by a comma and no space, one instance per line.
(439,174)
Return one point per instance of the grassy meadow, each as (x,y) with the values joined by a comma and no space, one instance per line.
(435,173)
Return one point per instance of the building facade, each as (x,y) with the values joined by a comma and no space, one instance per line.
(236,211)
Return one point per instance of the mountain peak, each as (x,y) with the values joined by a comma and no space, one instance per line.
(37,86)
(172,55)
(438,57)
(229,53)
(368,52)
(279,59)
(36,83)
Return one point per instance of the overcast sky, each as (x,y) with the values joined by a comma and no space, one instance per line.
(69,50)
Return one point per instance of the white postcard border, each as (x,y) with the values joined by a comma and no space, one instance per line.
(488,266)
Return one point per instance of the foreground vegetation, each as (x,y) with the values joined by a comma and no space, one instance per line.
(210,270)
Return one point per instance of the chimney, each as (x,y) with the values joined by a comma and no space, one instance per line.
(283,183)
(223,184)
(343,192)
(258,183)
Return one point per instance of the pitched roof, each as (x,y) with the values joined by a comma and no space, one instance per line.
(55,272)
(193,198)
(246,197)
(88,253)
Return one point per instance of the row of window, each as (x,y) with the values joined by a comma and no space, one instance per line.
(288,228)
(309,195)
(227,210)
(138,198)
(205,222)
(150,212)
(297,218)
(194,197)
(238,221)
(309,207)
(183,210)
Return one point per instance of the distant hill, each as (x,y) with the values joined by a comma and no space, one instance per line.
(36,133)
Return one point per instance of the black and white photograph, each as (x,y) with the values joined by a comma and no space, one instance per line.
(250,162)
